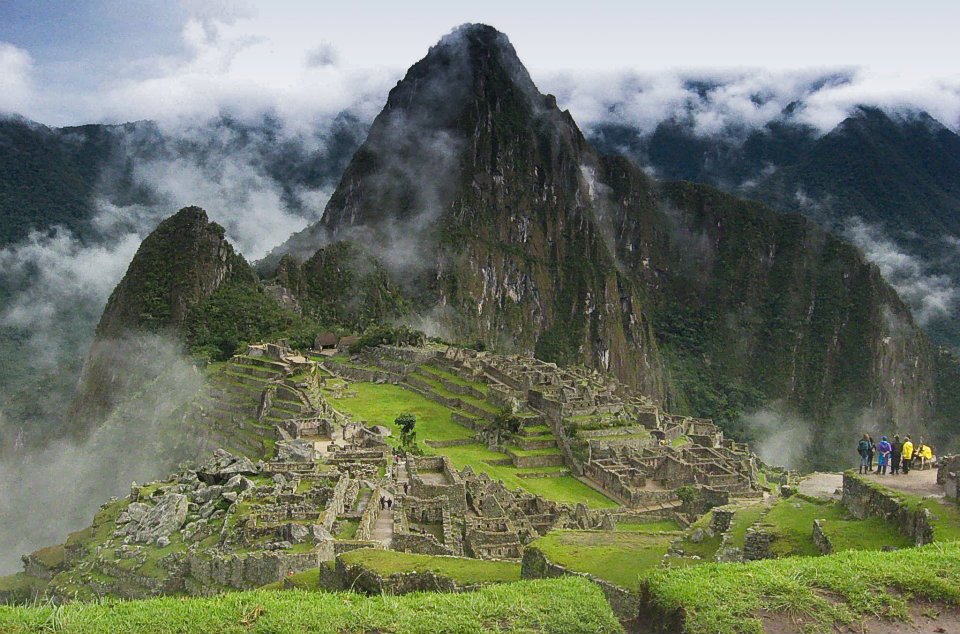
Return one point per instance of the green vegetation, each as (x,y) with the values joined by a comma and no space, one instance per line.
(379,403)
(239,313)
(306,580)
(945,517)
(663,526)
(19,587)
(618,557)
(743,519)
(383,335)
(870,534)
(407,423)
(791,522)
(705,549)
(348,529)
(836,589)
(556,605)
(463,570)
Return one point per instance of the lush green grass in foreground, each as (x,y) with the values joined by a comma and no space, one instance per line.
(460,569)
(836,589)
(618,557)
(556,605)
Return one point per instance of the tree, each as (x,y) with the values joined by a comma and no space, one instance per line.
(407,423)
(503,427)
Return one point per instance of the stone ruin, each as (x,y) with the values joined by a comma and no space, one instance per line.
(948,475)
(242,524)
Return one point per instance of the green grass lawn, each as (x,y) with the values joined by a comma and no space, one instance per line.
(869,534)
(618,557)
(550,605)
(791,521)
(705,549)
(438,388)
(835,590)
(460,569)
(946,515)
(664,526)
(380,404)
(744,518)
(306,580)
(348,529)
(452,378)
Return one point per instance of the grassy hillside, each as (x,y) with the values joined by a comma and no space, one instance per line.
(819,592)
(560,605)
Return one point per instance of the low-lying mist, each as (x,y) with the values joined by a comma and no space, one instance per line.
(53,489)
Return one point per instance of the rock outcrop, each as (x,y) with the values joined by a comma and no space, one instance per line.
(182,262)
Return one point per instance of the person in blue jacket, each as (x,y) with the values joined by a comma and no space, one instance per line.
(884,449)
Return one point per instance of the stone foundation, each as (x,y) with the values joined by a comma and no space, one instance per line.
(864,499)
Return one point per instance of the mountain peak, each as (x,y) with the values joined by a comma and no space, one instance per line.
(472,61)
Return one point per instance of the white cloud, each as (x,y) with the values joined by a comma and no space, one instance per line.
(718,101)
(929,295)
(16,86)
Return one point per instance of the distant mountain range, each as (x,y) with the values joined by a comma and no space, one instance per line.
(899,173)
(475,207)
(476,204)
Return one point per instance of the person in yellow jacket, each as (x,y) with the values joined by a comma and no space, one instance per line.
(924,453)
(907,455)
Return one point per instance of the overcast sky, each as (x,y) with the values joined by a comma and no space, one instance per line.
(64,62)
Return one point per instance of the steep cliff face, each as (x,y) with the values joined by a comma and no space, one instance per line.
(769,302)
(483,197)
(477,192)
(183,262)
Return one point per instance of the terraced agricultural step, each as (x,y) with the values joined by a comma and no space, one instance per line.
(549,472)
(245,379)
(535,458)
(536,442)
(255,371)
(535,430)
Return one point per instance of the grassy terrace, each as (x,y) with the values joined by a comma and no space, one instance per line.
(699,551)
(618,557)
(460,569)
(791,521)
(381,403)
(555,605)
(946,516)
(438,388)
(451,377)
(649,527)
(826,593)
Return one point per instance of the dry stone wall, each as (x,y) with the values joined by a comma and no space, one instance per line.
(864,499)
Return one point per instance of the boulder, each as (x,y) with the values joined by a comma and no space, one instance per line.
(238,483)
(147,525)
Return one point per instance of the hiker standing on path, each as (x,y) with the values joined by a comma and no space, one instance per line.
(907,453)
(863,448)
(896,455)
(873,449)
(883,455)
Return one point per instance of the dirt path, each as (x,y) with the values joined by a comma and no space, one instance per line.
(383,529)
(822,485)
(915,483)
